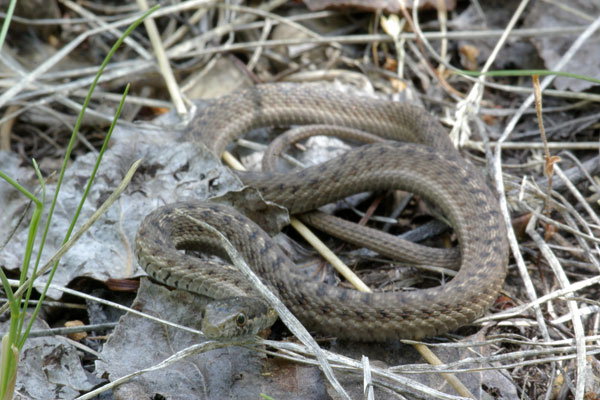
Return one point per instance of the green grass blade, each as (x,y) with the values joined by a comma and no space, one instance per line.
(20,188)
(6,24)
(10,352)
(78,124)
(9,359)
(528,72)
(33,228)
(75,217)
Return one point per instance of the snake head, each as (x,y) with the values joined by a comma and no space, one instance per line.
(236,317)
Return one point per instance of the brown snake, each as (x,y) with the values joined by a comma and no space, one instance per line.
(428,166)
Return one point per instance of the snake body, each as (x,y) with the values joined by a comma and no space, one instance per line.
(428,165)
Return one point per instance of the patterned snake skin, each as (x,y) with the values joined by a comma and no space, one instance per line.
(429,166)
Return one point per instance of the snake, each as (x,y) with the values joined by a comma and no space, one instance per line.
(416,156)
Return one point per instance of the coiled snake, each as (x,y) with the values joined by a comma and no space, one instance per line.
(428,165)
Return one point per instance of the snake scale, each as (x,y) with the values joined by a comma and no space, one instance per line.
(421,160)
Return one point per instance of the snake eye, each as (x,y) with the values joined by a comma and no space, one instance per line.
(240,319)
